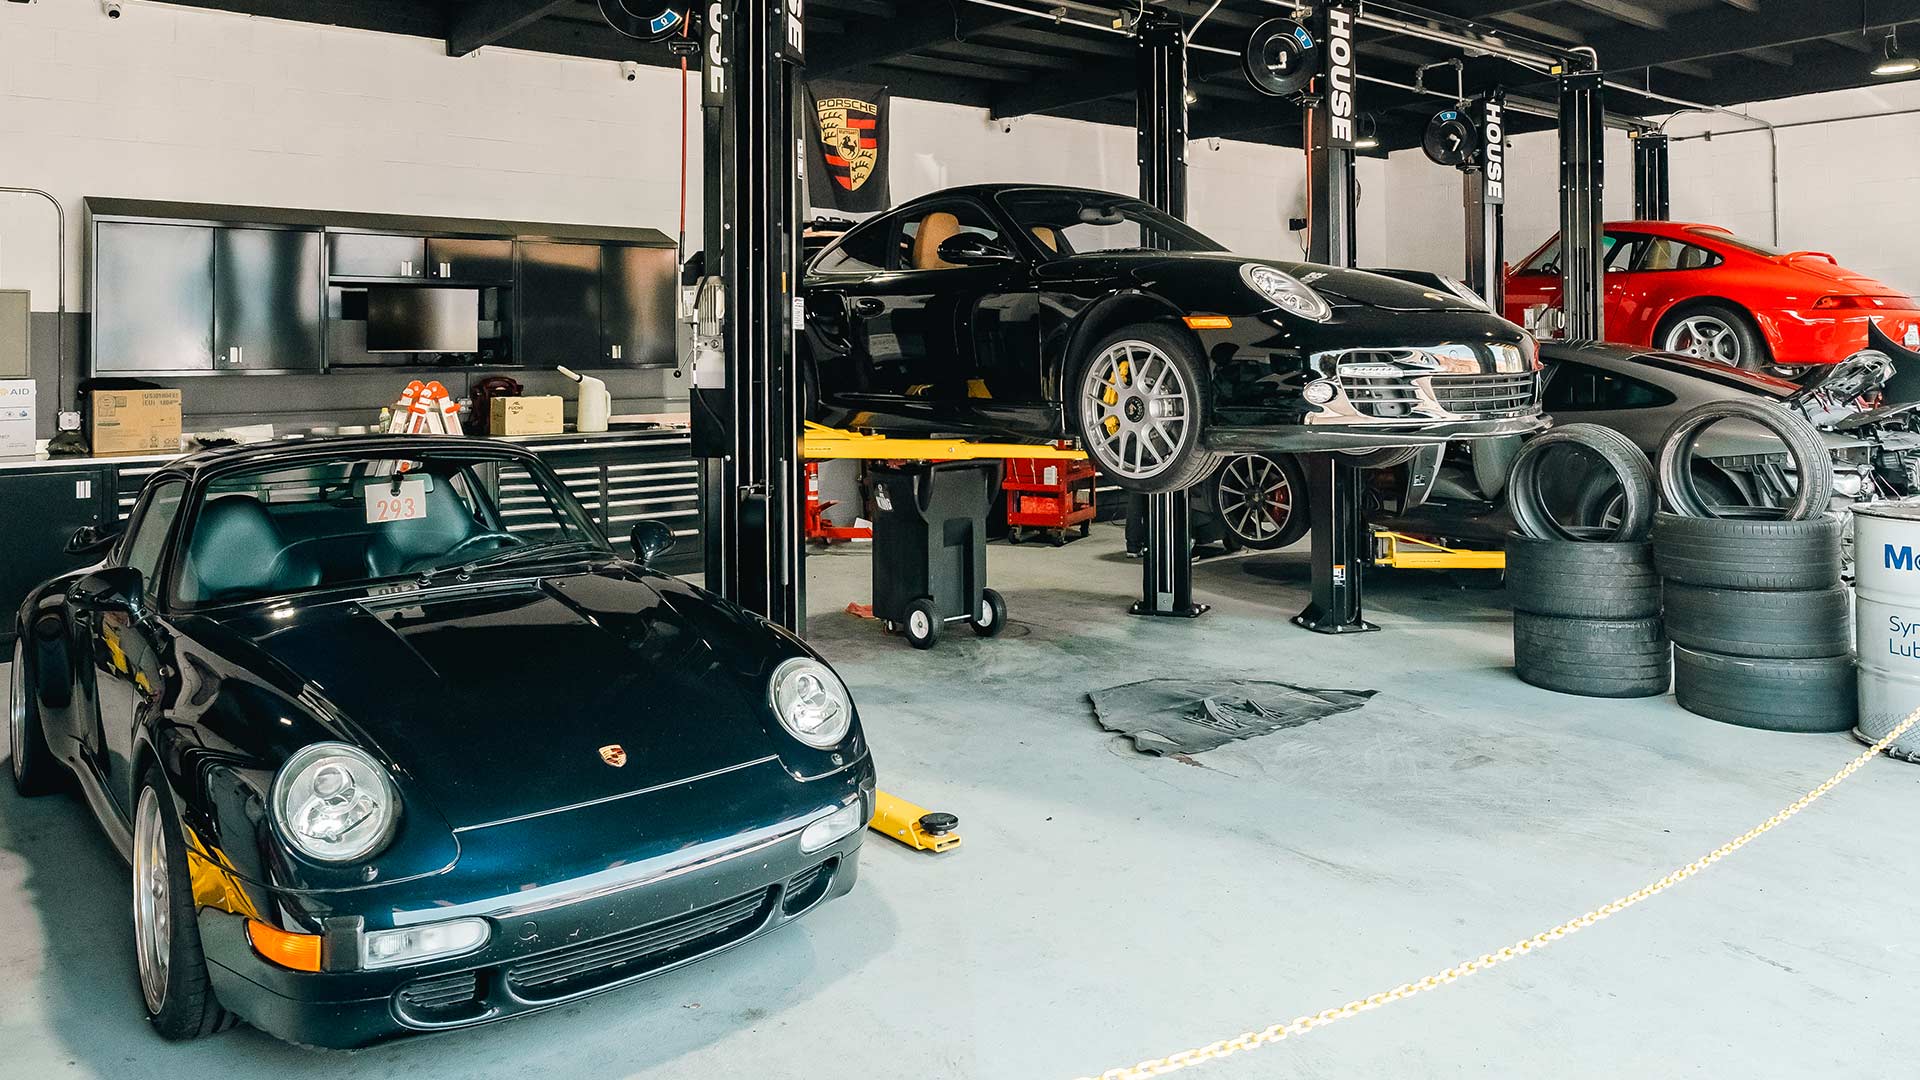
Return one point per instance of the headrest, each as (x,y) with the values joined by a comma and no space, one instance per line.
(934,231)
(237,551)
(397,545)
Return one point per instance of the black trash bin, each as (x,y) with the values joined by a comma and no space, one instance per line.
(930,549)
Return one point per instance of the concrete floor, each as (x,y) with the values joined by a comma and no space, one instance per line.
(1108,906)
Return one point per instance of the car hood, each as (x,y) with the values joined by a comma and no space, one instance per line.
(1341,287)
(495,700)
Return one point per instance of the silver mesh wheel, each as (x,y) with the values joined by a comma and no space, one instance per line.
(1136,409)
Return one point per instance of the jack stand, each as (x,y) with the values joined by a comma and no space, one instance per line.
(913,825)
(1167,563)
(1340,546)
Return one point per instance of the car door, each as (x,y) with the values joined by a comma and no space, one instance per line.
(127,656)
(899,341)
(1625,284)
(1536,282)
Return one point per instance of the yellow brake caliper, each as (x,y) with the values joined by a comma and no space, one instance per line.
(1112,397)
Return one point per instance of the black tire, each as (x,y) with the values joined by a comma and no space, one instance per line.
(35,771)
(1186,459)
(187,1008)
(1765,625)
(1611,658)
(1813,465)
(1750,348)
(921,624)
(992,616)
(1763,556)
(1527,497)
(1771,694)
(1231,489)
(1582,581)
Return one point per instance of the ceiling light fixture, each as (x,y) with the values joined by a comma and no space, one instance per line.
(1893,61)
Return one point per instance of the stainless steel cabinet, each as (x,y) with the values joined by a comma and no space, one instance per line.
(638,287)
(267,296)
(152,297)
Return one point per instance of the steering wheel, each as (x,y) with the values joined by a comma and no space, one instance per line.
(447,557)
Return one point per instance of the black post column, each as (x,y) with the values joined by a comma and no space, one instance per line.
(1334,491)
(1650,184)
(1485,195)
(746,417)
(1161,121)
(1582,171)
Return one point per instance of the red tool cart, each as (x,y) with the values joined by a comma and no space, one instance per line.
(1048,496)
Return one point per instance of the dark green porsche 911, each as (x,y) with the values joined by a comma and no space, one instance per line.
(395,742)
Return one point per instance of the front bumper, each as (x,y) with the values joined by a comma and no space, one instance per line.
(569,943)
(1301,438)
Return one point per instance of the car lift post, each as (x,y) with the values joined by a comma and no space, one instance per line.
(746,417)
(1484,190)
(1160,119)
(1334,487)
(1650,183)
(1582,169)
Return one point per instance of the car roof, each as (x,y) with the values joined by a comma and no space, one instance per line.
(987,192)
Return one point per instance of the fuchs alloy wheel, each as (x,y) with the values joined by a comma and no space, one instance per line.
(922,624)
(1712,332)
(34,770)
(1140,409)
(992,616)
(166,938)
(1260,502)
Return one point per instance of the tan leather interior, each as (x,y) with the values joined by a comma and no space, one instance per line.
(1047,236)
(934,231)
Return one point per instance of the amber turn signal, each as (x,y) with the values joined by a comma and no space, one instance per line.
(1209,322)
(300,952)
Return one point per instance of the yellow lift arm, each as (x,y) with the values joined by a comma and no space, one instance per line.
(823,443)
(1412,553)
(913,825)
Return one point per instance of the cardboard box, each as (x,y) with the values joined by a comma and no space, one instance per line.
(545,415)
(135,422)
(16,417)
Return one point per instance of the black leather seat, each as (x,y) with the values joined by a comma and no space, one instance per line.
(398,545)
(238,552)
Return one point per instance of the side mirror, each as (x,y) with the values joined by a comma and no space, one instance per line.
(113,588)
(651,539)
(90,540)
(972,249)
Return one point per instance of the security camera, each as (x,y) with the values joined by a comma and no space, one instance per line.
(111,8)
(630,71)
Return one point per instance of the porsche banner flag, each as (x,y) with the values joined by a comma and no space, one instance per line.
(848,147)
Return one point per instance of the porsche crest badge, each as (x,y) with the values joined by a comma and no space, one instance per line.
(849,135)
(614,755)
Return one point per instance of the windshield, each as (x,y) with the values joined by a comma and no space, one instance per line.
(1752,246)
(353,519)
(1078,222)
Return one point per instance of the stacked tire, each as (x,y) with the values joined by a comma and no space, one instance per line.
(1760,620)
(1586,601)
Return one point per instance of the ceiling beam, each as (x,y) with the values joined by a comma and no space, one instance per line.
(1723,30)
(1627,12)
(486,22)
(938,24)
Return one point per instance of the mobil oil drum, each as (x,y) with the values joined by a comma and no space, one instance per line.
(1886,554)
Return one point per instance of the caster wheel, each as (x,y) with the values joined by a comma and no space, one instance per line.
(1014,536)
(1059,538)
(923,624)
(992,616)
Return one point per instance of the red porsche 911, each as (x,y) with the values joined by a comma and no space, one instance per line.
(1700,289)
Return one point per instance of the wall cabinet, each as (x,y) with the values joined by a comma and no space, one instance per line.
(559,296)
(180,299)
(376,255)
(638,288)
(485,262)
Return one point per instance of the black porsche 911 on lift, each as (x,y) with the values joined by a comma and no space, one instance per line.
(1026,312)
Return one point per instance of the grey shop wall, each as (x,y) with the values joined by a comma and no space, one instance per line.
(342,396)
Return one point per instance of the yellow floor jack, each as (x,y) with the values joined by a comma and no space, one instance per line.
(915,826)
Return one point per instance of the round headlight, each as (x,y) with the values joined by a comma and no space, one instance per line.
(334,803)
(811,702)
(1319,392)
(1286,291)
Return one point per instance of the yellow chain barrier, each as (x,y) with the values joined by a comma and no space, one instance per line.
(1254,1040)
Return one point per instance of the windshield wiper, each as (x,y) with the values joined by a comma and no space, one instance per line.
(511,555)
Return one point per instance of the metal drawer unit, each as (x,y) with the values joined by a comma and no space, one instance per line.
(128,480)
(624,478)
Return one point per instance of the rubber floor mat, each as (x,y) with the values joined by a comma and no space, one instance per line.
(1186,716)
